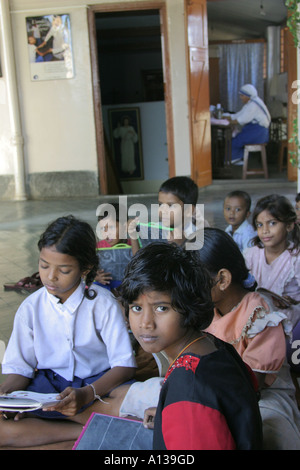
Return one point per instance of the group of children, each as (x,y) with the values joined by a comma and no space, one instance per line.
(220,314)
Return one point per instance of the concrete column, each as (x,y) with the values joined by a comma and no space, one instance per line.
(9,73)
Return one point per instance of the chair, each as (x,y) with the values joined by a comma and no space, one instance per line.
(255,148)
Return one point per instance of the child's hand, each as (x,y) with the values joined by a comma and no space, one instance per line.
(102,277)
(290,300)
(149,416)
(72,399)
(284,302)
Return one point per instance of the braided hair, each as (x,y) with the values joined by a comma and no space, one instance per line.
(220,251)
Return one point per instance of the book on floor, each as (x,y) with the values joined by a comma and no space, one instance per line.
(104,432)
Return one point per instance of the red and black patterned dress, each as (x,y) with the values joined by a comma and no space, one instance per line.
(208,402)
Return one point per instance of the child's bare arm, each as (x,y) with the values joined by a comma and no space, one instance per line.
(135,246)
(14,382)
(131,227)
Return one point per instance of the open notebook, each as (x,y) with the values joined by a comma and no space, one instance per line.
(22,400)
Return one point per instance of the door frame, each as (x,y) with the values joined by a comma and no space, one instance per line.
(197,57)
(130,6)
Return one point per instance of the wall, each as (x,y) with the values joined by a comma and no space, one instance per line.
(57,115)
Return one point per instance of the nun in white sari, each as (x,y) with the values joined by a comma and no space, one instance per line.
(254,118)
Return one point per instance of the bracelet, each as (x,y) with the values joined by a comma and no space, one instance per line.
(96,397)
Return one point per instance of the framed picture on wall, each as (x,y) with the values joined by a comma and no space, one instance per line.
(126,142)
(49,47)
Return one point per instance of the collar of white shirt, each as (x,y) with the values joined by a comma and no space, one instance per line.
(73,302)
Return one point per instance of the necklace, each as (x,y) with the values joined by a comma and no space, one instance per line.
(185,348)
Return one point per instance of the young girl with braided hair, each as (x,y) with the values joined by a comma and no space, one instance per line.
(258,329)
(68,338)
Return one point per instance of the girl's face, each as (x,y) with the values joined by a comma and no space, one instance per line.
(59,273)
(155,324)
(271,231)
(109,231)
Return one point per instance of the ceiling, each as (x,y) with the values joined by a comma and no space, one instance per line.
(227,19)
(244,18)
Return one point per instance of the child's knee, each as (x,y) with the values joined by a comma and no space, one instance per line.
(7,432)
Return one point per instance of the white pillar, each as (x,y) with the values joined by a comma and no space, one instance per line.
(9,73)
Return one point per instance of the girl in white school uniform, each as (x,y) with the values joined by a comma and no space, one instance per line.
(68,338)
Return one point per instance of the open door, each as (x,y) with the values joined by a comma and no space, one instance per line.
(198,73)
(105,166)
(292,171)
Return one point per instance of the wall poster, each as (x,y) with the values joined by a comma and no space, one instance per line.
(49,47)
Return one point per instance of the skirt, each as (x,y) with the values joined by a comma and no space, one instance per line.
(250,134)
(47,381)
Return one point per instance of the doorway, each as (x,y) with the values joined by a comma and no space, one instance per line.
(129,52)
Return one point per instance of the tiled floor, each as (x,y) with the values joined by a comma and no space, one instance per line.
(21,223)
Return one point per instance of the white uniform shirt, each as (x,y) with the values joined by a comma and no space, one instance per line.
(80,337)
(243,235)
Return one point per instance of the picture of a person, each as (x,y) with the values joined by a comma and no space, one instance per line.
(128,137)
(49,47)
(58,33)
(32,50)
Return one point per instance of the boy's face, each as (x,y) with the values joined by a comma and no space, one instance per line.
(155,324)
(235,211)
(109,231)
(171,210)
(297,209)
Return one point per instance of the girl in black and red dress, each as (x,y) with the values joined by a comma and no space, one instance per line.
(208,399)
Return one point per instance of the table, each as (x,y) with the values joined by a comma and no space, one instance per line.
(221,134)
